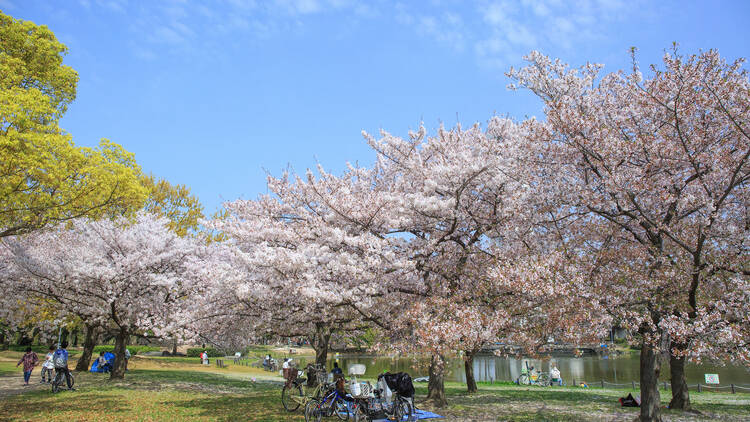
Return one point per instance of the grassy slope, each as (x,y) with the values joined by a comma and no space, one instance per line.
(171,389)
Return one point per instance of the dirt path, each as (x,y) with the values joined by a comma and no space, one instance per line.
(11,385)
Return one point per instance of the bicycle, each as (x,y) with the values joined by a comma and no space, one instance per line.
(296,393)
(332,403)
(529,378)
(60,378)
(367,408)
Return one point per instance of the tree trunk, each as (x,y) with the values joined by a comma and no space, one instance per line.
(121,342)
(23,340)
(471,383)
(174,346)
(436,385)
(89,343)
(680,395)
(75,337)
(319,343)
(650,369)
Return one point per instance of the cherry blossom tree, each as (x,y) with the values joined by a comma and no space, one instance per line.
(121,274)
(298,270)
(651,179)
(463,206)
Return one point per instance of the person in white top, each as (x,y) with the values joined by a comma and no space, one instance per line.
(204,356)
(48,367)
(554,375)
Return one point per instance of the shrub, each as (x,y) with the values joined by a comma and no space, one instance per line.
(37,348)
(134,350)
(195,352)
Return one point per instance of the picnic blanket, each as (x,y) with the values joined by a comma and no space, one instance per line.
(419,414)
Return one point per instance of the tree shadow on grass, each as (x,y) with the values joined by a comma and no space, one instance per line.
(202,378)
(260,407)
(36,406)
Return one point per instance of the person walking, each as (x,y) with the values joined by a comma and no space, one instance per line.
(29,361)
(48,367)
(127,358)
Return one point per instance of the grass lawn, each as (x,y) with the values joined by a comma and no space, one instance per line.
(163,389)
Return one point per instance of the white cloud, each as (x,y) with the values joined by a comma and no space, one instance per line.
(513,28)
(302,7)
(402,16)
(494,30)
(119,6)
(143,53)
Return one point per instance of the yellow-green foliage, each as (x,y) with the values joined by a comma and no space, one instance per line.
(44,177)
(175,203)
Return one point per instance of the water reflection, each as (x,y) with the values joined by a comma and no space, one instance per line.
(592,369)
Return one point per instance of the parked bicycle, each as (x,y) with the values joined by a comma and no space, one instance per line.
(398,408)
(333,403)
(297,392)
(529,377)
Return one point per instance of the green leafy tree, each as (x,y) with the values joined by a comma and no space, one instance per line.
(174,202)
(44,177)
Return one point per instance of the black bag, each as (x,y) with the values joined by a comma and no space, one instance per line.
(400,382)
(630,401)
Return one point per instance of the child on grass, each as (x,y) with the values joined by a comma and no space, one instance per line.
(29,361)
(48,367)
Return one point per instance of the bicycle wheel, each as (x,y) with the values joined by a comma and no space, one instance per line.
(56,382)
(341,408)
(320,411)
(312,408)
(360,412)
(403,411)
(523,380)
(291,397)
(543,380)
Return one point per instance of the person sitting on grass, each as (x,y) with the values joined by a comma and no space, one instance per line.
(29,361)
(336,371)
(103,364)
(554,375)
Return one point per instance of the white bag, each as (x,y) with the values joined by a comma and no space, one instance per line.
(355,389)
(386,394)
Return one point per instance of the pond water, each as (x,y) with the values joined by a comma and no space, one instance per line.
(621,369)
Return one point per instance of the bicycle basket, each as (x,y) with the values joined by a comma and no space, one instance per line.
(363,392)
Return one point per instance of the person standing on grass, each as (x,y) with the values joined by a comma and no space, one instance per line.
(127,358)
(29,361)
(48,367)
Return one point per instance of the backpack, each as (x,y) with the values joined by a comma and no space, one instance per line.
(59,359)
(630,401)
(400,382)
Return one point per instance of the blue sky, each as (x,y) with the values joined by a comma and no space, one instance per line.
(213,94)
